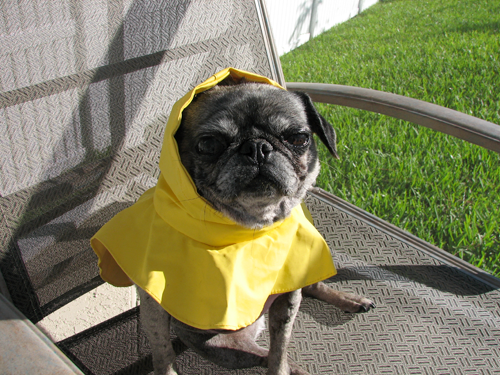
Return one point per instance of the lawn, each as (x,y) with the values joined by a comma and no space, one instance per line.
(444,190)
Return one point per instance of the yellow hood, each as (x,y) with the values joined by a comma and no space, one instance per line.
(204,269)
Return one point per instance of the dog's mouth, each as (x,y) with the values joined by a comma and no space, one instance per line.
(266,184)
(262,185)
(256,197)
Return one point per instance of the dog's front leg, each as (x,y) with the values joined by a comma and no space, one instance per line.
(156,323)
(281,317)
(347,302)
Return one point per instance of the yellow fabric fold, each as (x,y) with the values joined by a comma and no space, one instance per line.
(203,268)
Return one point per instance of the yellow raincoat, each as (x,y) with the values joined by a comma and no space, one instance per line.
(203,268)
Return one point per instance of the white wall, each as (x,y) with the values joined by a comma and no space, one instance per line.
(294,22)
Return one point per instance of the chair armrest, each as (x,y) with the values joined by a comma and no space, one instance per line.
(26,350)
(445,120)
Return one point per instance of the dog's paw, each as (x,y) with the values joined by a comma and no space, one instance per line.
(292,369)
(298,371)
(295,369)
(347,302)
(353,303)
(168,370)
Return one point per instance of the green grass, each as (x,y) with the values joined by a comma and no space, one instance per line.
(444,190)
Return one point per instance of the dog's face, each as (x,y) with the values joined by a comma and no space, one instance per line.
(250,151)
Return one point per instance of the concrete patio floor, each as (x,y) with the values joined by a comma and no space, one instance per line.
(98,305)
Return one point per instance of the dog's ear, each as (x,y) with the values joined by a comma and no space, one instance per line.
(318,124)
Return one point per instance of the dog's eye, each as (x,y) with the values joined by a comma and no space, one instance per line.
(299,139)
(210,146)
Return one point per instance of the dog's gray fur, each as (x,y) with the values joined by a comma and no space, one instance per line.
(250,152)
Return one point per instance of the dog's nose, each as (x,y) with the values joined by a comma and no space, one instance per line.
(257,150)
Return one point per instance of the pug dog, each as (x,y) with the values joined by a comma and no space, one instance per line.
(250,151)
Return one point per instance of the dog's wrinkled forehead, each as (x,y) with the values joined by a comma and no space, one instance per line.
(249,107)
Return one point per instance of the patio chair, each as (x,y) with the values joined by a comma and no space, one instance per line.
(86,87)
